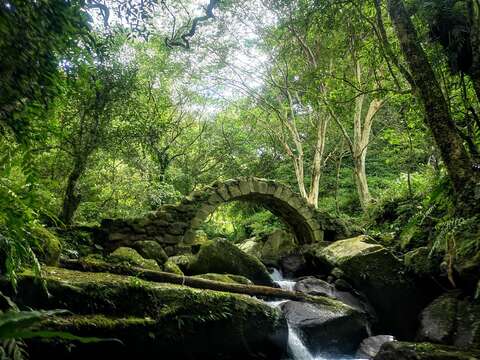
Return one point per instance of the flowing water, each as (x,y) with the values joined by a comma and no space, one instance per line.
(296,348)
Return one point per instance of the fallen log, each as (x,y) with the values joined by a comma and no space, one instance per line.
(198,283)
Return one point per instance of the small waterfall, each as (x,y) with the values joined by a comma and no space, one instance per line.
(278,278)
(296,348)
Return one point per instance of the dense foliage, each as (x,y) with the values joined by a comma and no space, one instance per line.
(106,112)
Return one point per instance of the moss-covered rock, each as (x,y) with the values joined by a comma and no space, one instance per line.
(467,334)
(438,319)
(452,319)
(252,247)
(183,261)
(330,328)
(151,319)
(171,267)
(227,278)
(374,271)
(396,350)
(46,245)
(278,244)
(270,250)
(221,256)
(132,257)
(150,249)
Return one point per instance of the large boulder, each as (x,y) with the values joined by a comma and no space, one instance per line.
(451,319)
(467,334)
(378,274)
(317,287)
(396,350)
(438,319)
(152,320)
(330,328)
(221,256)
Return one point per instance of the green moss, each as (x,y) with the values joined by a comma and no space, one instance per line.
(132,257)
(226,278)
(183,261)
(152,316)
(171,267)
(47,246)
(423,351)
(150,249)
(99,321)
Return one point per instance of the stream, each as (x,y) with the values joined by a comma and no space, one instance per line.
(296,348)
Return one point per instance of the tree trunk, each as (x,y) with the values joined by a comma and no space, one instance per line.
(361,181)
(164,277)
(312,198)
(438,118)
(71,199)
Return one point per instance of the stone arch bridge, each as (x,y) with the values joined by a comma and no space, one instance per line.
(177,224)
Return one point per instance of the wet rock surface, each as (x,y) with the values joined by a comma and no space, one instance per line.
(383,279)
(370,346)
(330,329)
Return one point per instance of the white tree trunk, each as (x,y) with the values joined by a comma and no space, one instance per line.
(322,124)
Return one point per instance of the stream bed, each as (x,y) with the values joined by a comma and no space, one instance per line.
(297,350)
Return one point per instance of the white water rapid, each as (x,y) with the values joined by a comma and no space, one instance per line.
(296,348)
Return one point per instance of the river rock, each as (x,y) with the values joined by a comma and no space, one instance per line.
(330,328)
(396,350)
(467,334)
(438,319)
(152,320)
(317,287)
(378,274)
(221,256)
(370,346)
(451,319)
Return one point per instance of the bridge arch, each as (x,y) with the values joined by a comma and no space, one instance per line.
(177,224)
